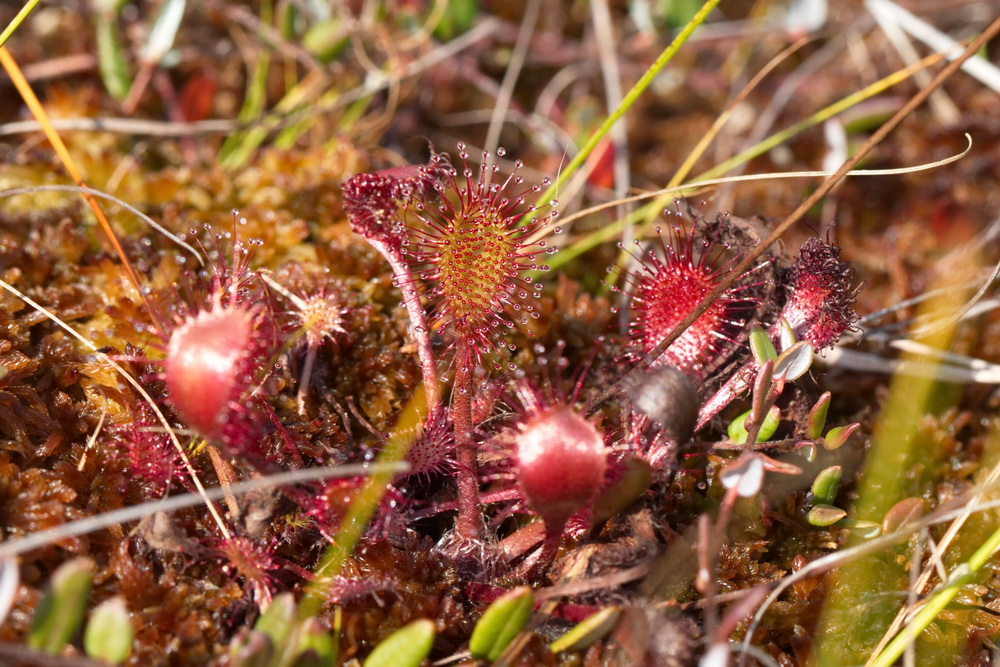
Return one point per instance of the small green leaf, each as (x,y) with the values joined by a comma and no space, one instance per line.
(825,515)
(770,425)
(62,606)
(902,513)
(591,629)
(111,58)
(786,336)
(314,647)
(501,622)
(737,430)
(836,437)
(794,362)
(826,484)
(406,647)
(761,345)
(806,450)
(109,632)
(277,622)
(817,416)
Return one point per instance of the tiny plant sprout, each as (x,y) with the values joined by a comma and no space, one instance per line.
(500,623)
(407,647)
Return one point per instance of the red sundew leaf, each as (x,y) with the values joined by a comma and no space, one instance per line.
(474,251)
(669,283)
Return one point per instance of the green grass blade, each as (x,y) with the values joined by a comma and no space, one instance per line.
(363,507)
(638,89)
(18,20)
(652,210)
(238,147)
(820,116)
(882,485)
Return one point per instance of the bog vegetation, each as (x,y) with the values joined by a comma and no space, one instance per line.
(392,333)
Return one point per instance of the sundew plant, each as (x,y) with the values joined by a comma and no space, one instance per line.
(411,333)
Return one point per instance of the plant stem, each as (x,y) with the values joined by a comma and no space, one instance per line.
(470,522)
(418,320)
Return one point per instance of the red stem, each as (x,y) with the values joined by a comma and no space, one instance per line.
(470,520)
(418,321)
